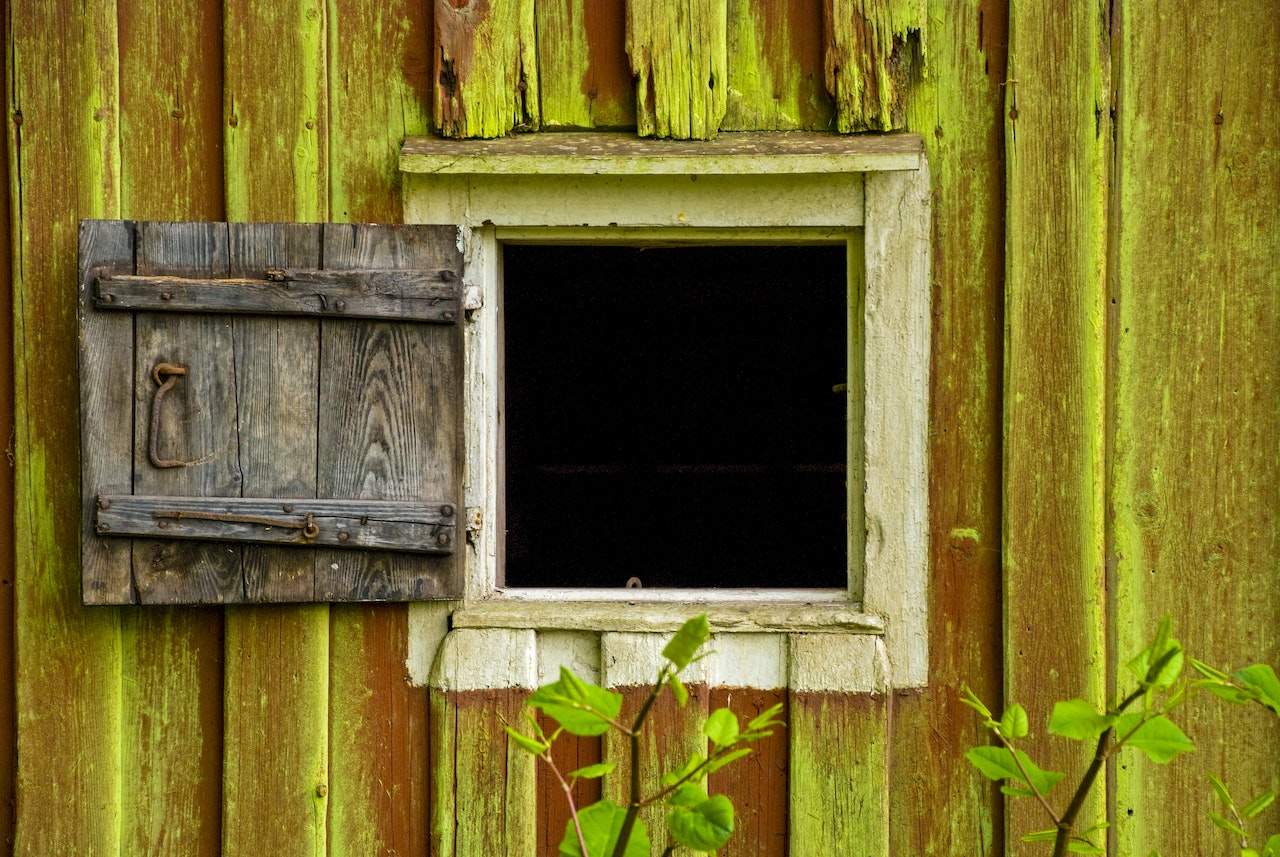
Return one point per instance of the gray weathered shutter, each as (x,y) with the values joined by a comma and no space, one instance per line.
(269,412)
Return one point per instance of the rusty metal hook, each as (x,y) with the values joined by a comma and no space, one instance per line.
(166,375)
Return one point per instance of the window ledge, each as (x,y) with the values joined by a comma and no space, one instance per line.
(818,614)
(623,153)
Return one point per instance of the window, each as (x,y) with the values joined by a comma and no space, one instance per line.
(675,416)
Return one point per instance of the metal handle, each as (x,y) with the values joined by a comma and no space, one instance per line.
(308,526)
(166,375)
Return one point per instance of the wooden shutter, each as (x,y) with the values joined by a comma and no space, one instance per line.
(269,412)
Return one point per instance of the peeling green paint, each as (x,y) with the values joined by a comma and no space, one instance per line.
(487,69)
(678,51)
(876,49)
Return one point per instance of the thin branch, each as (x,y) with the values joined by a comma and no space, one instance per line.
(568,796)
(692,775)
(1027,778)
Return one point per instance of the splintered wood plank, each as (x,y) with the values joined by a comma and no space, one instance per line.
(678,57)
(1194,334)
(380,64)
(486,68)
(278,365)
(629,664)
(106,405)
(275,760)
(838,707)
(62,88)
(1056,145)
(958,107)
(775,66)
(390,424)
(874,53)
(584,80)
(485,788)
(197,419)
(757,785)
(171,169)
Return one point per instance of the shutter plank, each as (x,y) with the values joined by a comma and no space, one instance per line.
(106,402)
(390,421)
(278,364)
(197,419)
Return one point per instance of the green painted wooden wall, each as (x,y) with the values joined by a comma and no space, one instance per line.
(1105,397)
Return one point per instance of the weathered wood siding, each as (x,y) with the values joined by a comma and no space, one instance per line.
(1106,345)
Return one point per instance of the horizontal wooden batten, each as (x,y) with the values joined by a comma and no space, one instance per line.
(622,153)
(656,616)
(400,295)
(368,524)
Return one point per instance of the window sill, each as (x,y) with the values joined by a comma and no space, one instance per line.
(743,610)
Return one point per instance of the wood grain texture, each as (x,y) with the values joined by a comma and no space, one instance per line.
(775,66)
(584,80)
(390,417)
(569,753)
(106,404)
(197,419)
(8,676)
(62,138)
(678,53)
(171,169)
(759,784)
(1194,335)
(1057,134)
(874,52)
(276,692)
(486,68)
(958,111)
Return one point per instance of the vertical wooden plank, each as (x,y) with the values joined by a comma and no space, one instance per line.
(958,110)
(775,66)
(8,700)
(874,52)
(1057,132)
(171,169)
(678,57)
(63,144)
(380,65)
(485,787)
(198,418)
(584,80)
(759,784)
(486,68)
(1194,488)
(106,405)
(390,425)
(629,664)
(275,780)
(839,719)
(277,368)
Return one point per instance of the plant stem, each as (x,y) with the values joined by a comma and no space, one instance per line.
(1027,778)
(633,805)
(568,796)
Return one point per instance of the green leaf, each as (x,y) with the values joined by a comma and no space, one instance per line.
(1272,848)
(969,698)
(1208,671)
(997,763)
(524,742)
(1221,789)
(1014,723)
(1226,824)
(1254,808)
(1016,791)
(703,826)
(679,774)
(766,719)
(592,772)
(721,727)
(1042,835)
(678,688)
(727,759)
(1261,679)
(1226,691)
(601,823)
(581,708)
(1144,666)
(1078,720)
(685,644)
(1082,846)
(1159,737)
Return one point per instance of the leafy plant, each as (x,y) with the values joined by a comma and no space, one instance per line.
(694,818)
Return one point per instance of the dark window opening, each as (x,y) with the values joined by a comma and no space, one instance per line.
(672,415)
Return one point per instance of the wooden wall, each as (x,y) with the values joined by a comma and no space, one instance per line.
(1106,347)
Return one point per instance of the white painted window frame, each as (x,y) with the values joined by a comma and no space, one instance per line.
(878,206)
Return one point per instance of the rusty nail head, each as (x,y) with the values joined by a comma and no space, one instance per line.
(364,520)
(442,539)
(164,525)
(339,305)
(446,510)
(109,298)
(322,790)
(104,503)
(288,507)
(447,316)
(448,276)
(166,296)
(343,536)
(103,528)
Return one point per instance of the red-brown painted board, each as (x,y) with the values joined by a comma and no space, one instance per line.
(939,806)
(757,785)
(171,169)
(569,753)
(775,66)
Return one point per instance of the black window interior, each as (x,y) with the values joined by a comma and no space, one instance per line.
(671,415)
